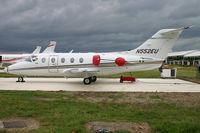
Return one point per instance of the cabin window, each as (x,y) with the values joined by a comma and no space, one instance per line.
(81,60)
(43,60)
(62,60)
(53,60)
(72,60)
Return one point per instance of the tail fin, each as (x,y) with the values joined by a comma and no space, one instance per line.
(160,44)
(50,48)
(37,50)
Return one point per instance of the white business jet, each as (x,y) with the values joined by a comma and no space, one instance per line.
(149,55)
(14,58)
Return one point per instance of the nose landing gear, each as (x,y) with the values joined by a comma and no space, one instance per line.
(94,78)
(20,79)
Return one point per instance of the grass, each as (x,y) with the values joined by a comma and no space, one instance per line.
(154,97)
(118,96)
(140,96)
(6,75)
(65,115)
(185,72)
(122,131)
(140,74)
(182,72)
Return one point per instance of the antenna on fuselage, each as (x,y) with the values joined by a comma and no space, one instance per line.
(71,51)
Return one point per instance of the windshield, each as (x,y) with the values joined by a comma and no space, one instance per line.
(32,58)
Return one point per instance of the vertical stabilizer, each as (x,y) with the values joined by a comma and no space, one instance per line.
(50,48)
(37,50)
(160,44)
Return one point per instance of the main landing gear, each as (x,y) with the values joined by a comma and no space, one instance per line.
(89,80)
(20,79)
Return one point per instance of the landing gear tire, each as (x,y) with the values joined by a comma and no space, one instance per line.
(94,78)
(87,81)
(20,79)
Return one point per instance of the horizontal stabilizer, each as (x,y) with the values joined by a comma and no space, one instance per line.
(174,31)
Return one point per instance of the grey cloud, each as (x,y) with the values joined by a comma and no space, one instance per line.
(94,25)
(188,43)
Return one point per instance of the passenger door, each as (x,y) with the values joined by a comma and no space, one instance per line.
(53,63)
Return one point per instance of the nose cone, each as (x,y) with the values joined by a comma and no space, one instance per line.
(15,68)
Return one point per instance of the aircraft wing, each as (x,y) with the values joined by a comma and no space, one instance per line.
(81,71)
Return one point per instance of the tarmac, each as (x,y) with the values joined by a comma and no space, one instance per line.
(101,85)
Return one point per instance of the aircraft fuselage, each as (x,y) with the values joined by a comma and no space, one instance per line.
(81,64)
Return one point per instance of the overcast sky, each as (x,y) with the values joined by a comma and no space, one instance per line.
(94,25)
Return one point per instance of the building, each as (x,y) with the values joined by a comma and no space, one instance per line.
(191,57)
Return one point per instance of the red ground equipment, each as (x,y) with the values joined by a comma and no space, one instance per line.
(122,79)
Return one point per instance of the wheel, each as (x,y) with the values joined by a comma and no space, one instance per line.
(94,78)
(87,81)
(121,81)
(20,79)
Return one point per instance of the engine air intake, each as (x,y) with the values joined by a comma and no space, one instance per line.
(120,61)
(96,60)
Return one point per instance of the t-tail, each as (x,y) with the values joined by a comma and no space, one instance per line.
(160,44)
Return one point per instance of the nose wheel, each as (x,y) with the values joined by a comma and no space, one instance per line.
(89,80)
(20,79)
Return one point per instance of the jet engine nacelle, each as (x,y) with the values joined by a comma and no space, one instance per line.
(120,61)
(96,60)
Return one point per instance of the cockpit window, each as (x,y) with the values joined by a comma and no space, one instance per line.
(32,58)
